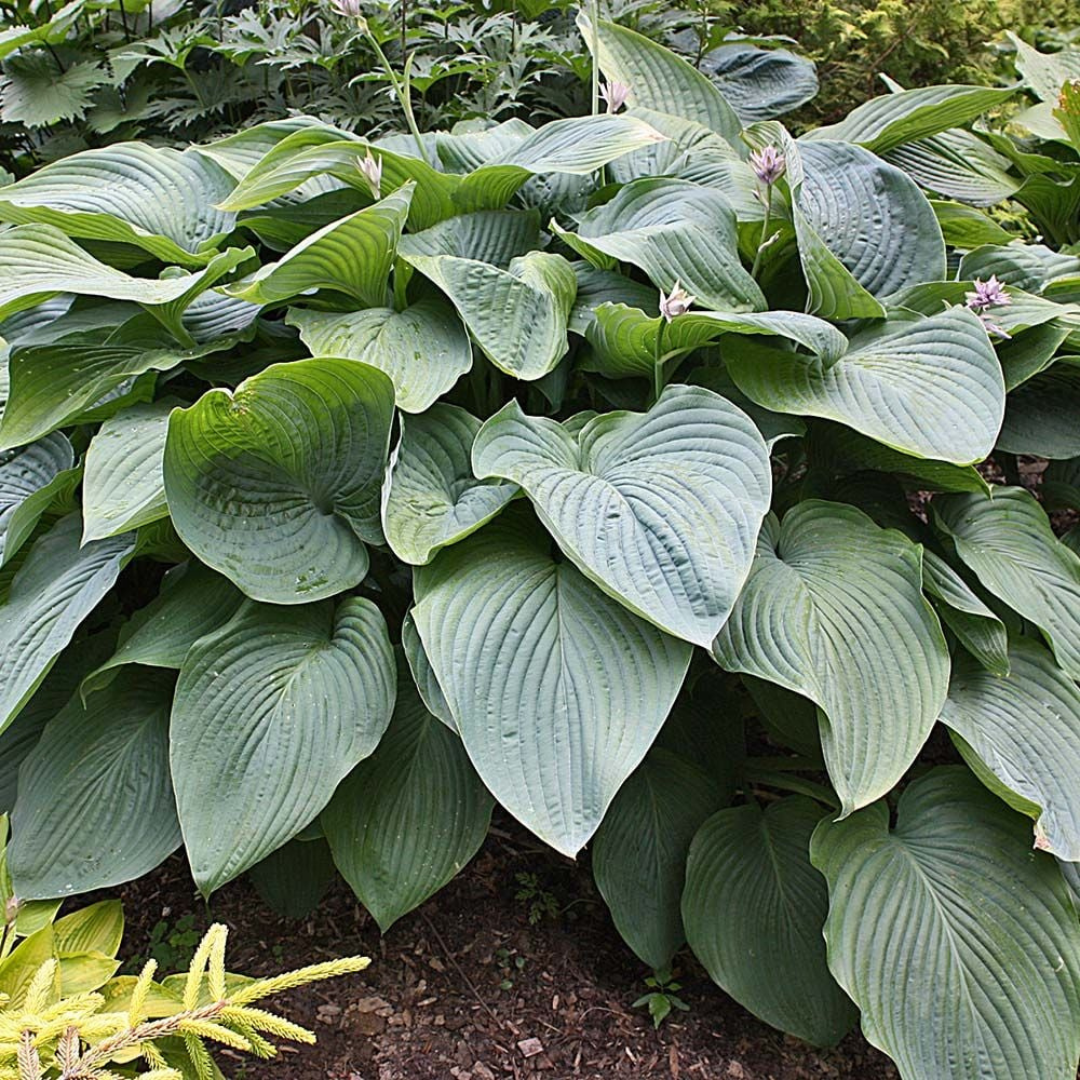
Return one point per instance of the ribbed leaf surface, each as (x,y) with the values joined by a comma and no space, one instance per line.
(272,711)
(557,690)
(29,480)
(661,509)
(960,946)
(834,610)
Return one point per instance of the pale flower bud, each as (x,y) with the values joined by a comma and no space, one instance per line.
(677,302)
(349,8)
(615,94)
(11,909)
(768,164)
(371,168)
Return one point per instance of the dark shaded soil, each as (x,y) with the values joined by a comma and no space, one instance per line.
(436,1001)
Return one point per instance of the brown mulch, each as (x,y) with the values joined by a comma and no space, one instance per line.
(467,988)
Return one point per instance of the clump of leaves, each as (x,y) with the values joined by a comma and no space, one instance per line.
(542,903)
(662,996)
(638,471)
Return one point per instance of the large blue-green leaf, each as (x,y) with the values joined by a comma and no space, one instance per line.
(557,690)
(117,818)
(159,199)
(424,348)
(660,509)
(278,484)
(517,316)
(272,711)
(57,586)
(29,481)
(834,610)
(929,387)
(1008,543)
(1021,736)
(431,497)
(761,84)
(754,908)
(409,818)
(960,945)
(676,232)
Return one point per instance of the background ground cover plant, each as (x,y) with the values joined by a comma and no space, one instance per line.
(353,485)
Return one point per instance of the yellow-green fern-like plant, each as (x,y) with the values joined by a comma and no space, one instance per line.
(52,1028)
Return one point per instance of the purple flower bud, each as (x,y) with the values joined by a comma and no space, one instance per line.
(992,327)
(615,94)
(768,164)
(987,294)
(677,302)
(371,168)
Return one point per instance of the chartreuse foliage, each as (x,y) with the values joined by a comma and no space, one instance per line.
(66,1015)
(638,472)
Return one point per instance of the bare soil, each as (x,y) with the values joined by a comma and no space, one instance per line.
(468,988)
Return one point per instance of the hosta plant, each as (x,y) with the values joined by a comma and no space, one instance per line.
(656,475)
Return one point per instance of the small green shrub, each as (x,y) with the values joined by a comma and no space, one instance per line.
(640,472)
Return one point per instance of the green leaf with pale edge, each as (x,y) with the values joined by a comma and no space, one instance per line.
(639,852)
(624,339)
(117,818)
(272,711)
(159,199)
(423,349)
(410,817)
(878,231)
(278,484)
(929,387)
(980,631)
(57,586)
(557,690)
(1021,735)
(97,928)
(194,602)
(427,684)
(960,946)
(351,256)
(123,487)
(834,610)
(754,908)
(39,261)
(658,79)
(893,119)
(431,497)
(1008,543)
(29,481)
(518,316)
(674,231)
(660,509)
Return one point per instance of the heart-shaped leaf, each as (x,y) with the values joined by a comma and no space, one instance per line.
(431,498)
(960,947)
(557,690)
(834,610)
(409,818)
(929,387)
(424,349)
(518,317)
(278,484)
(660,509)
(754,908)
(117,818)
(272,711)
